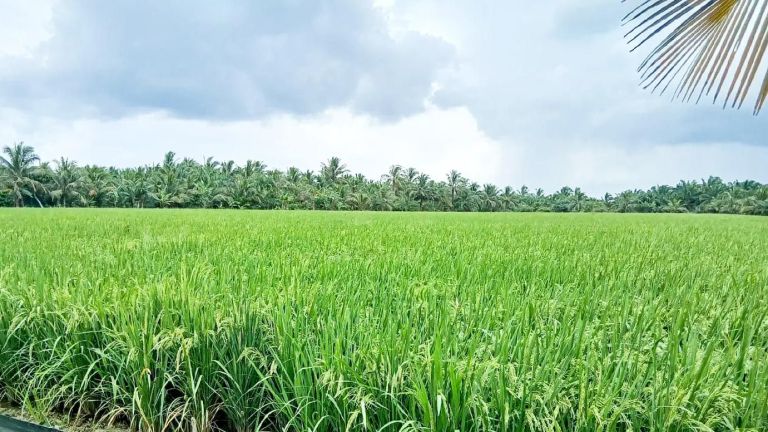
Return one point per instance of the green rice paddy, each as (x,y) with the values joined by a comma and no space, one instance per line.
(311,321)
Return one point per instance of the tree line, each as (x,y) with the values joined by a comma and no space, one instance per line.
(27,181)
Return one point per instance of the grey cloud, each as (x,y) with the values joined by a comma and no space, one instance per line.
(224,60)
(555,73)
(561,73)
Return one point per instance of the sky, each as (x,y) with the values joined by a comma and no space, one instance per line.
(544,94)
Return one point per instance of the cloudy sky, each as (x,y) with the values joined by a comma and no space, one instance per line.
(537,93)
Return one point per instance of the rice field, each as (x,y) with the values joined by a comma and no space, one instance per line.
(309,321)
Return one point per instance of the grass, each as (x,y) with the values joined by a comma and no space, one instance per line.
(244,321)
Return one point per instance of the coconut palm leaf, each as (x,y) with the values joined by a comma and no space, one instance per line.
(708,48)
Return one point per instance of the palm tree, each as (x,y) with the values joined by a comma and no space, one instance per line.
(253,168)
(579,198)
(394,178)
(756,206)
(244,193)
(455,182)
(469,199)
(67,180)
(227,167)
(359,201)
(713,47)
(411,174)
(170,188)
(19,172)
(332,170)
(490,197)
(626,202)
(210,184)
(508,198)
(169,161)
(674,206)
(359,180)
(97,183)
(424,190)
(134,187)
(210,164)
(382,199)
(293,175)
(725,203)
(689,194)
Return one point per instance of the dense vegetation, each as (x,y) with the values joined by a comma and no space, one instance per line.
(386,321)
(211,184)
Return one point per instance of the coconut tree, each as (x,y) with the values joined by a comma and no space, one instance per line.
(97,185)
(134,187)
(424,190)
(333,170)
(382,198)
(359,201)
(394,178)
(169,188)
(674,205)
(245,193)
(712,48)
(689,193)
(227,167)
(293,175)
(67,182)
(455,183)
(18,172)
(579,198)
(411,174)
(755,206)
(253,168)
(490,197)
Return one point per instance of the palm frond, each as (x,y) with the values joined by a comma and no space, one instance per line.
(708,48)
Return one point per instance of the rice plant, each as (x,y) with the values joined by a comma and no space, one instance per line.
(310,321)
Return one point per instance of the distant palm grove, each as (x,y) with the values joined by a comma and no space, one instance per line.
(26,181)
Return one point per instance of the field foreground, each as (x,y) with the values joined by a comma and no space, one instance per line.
(244,321)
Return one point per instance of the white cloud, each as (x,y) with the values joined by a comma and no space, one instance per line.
(542,93)
(24,25)
(600,168)
(560,71)
(223,60)
(365,144)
